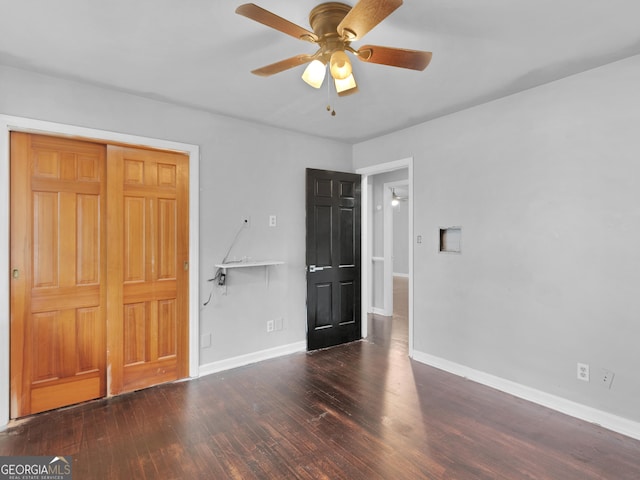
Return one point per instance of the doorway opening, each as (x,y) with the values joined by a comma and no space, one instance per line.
(395,238)
(387,299)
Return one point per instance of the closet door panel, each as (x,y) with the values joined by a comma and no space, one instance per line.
(148,282)
(58,289)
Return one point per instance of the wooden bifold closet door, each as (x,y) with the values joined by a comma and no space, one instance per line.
(99,237)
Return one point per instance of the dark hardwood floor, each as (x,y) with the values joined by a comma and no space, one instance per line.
(359,411)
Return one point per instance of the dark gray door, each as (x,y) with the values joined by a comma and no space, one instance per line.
(333,258)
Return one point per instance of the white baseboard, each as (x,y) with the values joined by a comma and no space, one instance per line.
(250,358)
(607,420)
(402,275)
(380,311)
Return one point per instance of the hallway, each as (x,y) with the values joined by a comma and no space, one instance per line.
(388,331)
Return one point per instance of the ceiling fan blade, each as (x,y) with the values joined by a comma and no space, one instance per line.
(272,20)
(394,57)
(282,65)
(365,15)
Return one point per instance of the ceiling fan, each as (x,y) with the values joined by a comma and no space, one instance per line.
(335,25)
(396,199)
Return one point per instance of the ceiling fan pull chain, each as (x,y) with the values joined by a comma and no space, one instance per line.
(328,99)
(333,112)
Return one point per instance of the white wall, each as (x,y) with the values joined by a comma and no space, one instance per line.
(246,169)
(546,187)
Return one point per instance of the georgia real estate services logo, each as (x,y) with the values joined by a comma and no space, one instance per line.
(35,468)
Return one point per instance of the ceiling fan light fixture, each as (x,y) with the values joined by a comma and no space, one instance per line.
(340,65)
(343,85)
(314,73)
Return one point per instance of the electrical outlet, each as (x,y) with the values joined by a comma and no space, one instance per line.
(583,372)
(270,326)
(273,221)
(606,377)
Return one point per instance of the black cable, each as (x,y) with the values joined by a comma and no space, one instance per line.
(219,276)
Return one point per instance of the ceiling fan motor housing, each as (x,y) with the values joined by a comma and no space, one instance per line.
(324,20)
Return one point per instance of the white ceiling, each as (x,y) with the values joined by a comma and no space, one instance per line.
(199,53)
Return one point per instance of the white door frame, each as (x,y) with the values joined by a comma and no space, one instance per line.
(20,124)
(366,238)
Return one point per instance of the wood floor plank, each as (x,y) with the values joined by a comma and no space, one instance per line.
(306,416)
